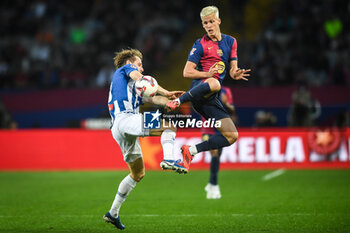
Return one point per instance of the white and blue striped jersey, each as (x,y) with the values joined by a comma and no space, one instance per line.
(122,96)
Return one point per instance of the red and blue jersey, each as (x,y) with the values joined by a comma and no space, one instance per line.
(206,52)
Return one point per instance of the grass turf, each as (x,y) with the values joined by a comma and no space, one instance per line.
(296,201)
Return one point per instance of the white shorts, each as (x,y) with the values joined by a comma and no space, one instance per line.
(126,130)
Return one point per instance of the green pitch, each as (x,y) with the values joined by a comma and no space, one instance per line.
(295,201)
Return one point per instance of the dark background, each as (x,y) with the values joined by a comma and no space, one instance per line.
(56,57)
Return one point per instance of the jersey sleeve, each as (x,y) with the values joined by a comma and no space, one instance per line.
(233,55)
(196,52)
(127,69)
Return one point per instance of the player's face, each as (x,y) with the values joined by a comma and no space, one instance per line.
(211,24)
(138,64)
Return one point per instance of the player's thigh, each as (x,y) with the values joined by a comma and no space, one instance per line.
(212,109)
(127,137)
(132,125)
(137,169)
(228,129)
(130,147)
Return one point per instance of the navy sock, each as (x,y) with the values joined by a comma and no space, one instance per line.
(195,93)
(214,170)
(214,142)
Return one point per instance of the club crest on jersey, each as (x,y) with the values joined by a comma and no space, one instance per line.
(133,66)
(192,51)
(219,52)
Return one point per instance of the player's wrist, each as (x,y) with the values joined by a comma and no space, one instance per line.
(208,75)
(165,93)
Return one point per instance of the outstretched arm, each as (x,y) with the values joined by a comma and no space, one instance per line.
(190,71)
(237,73)
(157,100)
(136,75)
(169,94)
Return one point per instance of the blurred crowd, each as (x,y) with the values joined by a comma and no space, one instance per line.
(52,43)
(62,43)
(304,42)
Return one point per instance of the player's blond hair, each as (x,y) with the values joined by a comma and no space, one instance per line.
(123,56)
(209,10)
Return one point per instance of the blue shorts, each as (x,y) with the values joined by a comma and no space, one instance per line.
(210,107)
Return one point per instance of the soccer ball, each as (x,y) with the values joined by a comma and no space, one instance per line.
(146,86)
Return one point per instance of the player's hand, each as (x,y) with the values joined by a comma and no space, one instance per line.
(241,74)
(174,94)
(213,70)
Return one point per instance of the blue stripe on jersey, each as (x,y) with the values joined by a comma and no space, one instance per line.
(225,45)
(199,67)
(122,96)
(133,96)
(195,56)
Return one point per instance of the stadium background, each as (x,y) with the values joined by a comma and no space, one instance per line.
(288,172)
(56,64)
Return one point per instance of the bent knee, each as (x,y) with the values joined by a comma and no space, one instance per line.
(232,137)
(214,85)
(138,177)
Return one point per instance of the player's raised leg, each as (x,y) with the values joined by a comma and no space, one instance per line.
(227,137)
(205,89)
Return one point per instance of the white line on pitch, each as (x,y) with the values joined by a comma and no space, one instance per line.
(273,174)
(180,215)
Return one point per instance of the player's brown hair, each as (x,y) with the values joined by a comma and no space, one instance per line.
(123,56)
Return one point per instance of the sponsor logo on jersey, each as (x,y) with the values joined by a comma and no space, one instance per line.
(221,67)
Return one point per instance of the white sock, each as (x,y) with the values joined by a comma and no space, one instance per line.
(193,150)
(178,101)
(124,189)
(167,140)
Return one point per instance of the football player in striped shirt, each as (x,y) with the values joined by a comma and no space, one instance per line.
(127,126)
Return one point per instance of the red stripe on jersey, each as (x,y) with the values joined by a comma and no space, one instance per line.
(234,49)
(210,54)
